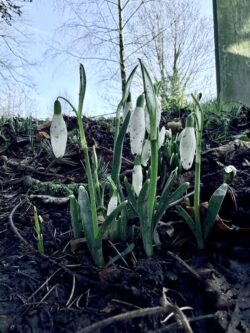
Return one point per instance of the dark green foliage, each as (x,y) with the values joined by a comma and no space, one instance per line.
(8,9)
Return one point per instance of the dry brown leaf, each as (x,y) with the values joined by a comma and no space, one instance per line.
(44,125)
(42,135)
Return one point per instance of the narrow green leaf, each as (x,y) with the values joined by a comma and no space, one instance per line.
(149,89)
(176,195)
(117,156)
(75,217)
(198,113)
(122,102)
(164,199)
(144,216)
(110,219)
(179,192)
(143,200)
(86,217)
(94,244)
(184,214)
(129,249)
(131,195)
(128,85)
(214,206)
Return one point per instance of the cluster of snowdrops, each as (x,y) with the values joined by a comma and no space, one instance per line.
(140,198)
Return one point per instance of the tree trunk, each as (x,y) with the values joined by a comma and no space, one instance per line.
(121,47)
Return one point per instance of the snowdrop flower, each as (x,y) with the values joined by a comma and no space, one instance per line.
(146,152)
(137,127)
(137,178)
(188,144)
(58,132)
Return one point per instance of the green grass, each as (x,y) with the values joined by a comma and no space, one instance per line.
(217,119)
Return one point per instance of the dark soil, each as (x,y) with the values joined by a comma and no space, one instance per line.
(63,291)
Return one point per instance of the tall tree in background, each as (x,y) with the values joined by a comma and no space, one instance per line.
(15,82)
(97,31)
(13,43)
(8,9)
(111,34)
(181,47)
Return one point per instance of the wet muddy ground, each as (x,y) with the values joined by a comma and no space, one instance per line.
(63,291)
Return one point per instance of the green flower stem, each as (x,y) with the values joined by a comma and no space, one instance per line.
(96,180)
(122,103)
(117,121)
(91,187)
(197,218)
(152,190)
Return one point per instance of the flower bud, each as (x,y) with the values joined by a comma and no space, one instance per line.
(229,174)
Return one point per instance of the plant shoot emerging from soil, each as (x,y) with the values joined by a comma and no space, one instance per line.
(190,145)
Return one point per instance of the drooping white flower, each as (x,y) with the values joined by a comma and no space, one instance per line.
(137,178)
(188,143)
(161,136)
(58,132)
(146,152)
(137,127)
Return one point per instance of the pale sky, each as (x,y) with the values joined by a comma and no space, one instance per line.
(51,77)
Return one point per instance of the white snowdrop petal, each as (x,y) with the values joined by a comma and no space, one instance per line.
(168,133)
(58,135)
(112,204)
(146,152)
(158,110)
(147,120)
(161,136)
(137,178)
(137,130)
(187,147)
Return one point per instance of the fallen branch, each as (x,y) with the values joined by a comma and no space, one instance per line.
(135,314)
(49,199)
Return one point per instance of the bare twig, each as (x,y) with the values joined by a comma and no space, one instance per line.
(50,199)
(140,313)
(125,316)
(188,267)
(175,325)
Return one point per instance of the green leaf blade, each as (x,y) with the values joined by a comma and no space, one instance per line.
(94,244)
(164,199)
(75,217)
(214,206)
(117,156)
(110,219)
